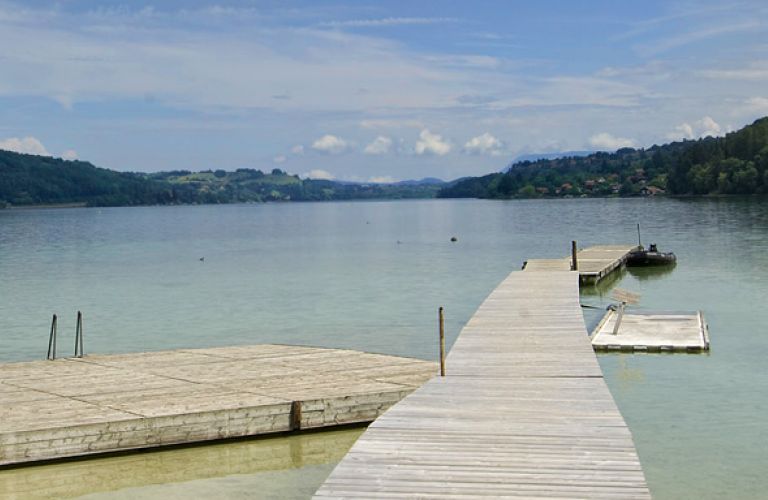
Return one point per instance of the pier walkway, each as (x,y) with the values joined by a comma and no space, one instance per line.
(595,262)
(522,412)
(107,403)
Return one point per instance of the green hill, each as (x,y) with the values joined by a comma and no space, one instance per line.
(734,164)
(29,179)
(41,180)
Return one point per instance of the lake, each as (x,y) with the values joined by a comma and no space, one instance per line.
(370,276)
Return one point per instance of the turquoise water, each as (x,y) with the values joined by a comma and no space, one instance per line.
(370,275)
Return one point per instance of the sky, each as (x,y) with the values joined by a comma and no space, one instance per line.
(372,91)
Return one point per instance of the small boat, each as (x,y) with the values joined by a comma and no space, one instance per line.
(650,257)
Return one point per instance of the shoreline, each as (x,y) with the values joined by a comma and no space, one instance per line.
(666,196)
(45,205)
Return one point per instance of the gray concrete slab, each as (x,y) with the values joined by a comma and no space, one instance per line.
(652,332)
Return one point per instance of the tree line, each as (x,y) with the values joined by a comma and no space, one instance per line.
(39,180)
(734,164)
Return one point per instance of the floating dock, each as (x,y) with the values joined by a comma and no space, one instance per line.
(96,404)
(652,332)
(594,263)
(523,410)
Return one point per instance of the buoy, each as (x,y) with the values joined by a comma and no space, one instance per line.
(202,259)
(454,239)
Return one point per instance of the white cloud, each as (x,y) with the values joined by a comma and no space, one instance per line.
(758,104)
(318,174)
(484,144)
(391,123)
(706,127)
(119,54)
(755,71)
(279,159)
(69,154)
(298,150)
(430,143)
(686,38)
(330,144)
(709,127)
(682,131)
(383,179)
(389,21)
(487,62)
(381,145)
(28,145)
(606,141)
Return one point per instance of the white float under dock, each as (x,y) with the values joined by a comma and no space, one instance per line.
(522,412)
(652,332)
(107,403)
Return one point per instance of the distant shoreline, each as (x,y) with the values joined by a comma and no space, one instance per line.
(517,198)
(45,205)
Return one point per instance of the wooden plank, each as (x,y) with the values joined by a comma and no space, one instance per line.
(522,412)
(71,407)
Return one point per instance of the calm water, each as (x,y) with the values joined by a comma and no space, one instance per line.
(371,276)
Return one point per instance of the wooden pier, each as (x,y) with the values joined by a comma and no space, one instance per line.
(593,263)
(96,404)
(523,410)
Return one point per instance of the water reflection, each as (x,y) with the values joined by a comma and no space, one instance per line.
(650,273)
(604,286)
(285,466)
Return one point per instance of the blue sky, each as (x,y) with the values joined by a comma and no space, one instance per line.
(372,90)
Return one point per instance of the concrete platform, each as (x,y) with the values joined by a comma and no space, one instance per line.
(106,403)
(652,332)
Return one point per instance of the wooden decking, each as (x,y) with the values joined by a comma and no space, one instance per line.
(71,407)
(523,411)
(595,263)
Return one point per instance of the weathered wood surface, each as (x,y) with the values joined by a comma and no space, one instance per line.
(649,332)
(70,407)
(523,412)
(595,263)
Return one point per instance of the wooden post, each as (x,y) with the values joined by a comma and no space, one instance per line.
(441,319)
(79,336)
(295,416)
(619,318)
(574,259)
(52,340)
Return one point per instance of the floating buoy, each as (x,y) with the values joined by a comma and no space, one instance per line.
(454,239)
(202,259)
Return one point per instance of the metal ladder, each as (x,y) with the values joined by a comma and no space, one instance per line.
(78,337)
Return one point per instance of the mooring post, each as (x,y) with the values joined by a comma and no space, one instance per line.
(52,340)
(295,416)
(79,336)
(574,259)
(441,319)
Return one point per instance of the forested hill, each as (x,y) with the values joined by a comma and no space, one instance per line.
(42,180)
(734,164)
